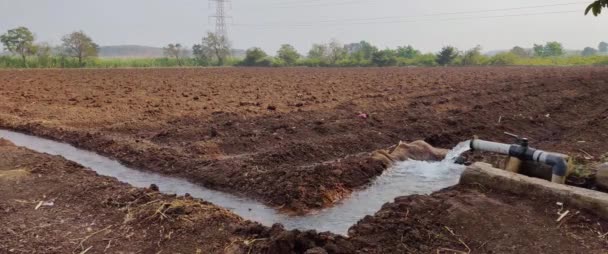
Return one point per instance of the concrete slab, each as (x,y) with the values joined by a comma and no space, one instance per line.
(482,173)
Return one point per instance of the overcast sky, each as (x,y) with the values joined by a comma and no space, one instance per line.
(425,24)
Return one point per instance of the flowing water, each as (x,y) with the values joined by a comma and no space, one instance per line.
(405,178)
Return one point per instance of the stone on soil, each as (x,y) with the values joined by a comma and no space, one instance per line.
(601,178)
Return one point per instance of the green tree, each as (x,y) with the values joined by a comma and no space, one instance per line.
(447,55)
(256,57)
(19,41)
(367,50)
(550,49)
(428,59)
(589,51)
(80,46)
(288,54)
(473,56)
(596,7)
(519,51)
(387,57)
(62,54)
(361,51)
(505,58)
(217,47)
(337,51)
(317,51)
(202,54)
(554,49)
(407,52)
(43,53)
(603,47)
(174,51)
(539,50)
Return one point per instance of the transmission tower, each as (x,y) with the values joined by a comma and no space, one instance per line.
(220,17)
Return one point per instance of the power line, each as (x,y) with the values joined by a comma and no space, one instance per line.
(430,15)
(311,3)
(320,4)
(467,12)
(292,2)
(414,21)
(297,4)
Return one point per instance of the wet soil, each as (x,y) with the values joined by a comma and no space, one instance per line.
(296,138)
(50,205)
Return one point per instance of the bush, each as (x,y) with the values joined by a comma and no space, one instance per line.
(473,57)
(385,57)
(288,55)
(506,58)
(419,60)
(447,55)
(256,57)
(352,62)
(502,59)
(313,62)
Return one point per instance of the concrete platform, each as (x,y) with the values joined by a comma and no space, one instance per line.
(484,174)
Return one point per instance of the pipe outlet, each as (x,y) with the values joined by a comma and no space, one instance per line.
(557,161)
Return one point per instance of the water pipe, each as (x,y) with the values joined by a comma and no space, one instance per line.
(521,152)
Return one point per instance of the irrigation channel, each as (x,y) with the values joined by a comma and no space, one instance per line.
(405,178)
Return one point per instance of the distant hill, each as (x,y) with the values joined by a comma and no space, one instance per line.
(137,51)
(495,52)
(238,53)
(130,51)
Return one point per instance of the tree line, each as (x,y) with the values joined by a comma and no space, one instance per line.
(79,50)
(21,42)
(365,54)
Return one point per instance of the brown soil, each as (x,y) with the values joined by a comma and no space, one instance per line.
(465,219)
(89,211)
(50,205)
(96,214)
(282,135)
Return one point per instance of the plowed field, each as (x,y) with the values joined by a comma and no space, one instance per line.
(298,138)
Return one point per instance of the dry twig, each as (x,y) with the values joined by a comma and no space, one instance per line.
(87,238)
(457,238)
(452,250)
(590,157)
(108,246)
(251,242)
(85,251)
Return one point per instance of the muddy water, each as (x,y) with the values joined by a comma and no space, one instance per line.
(405,178)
